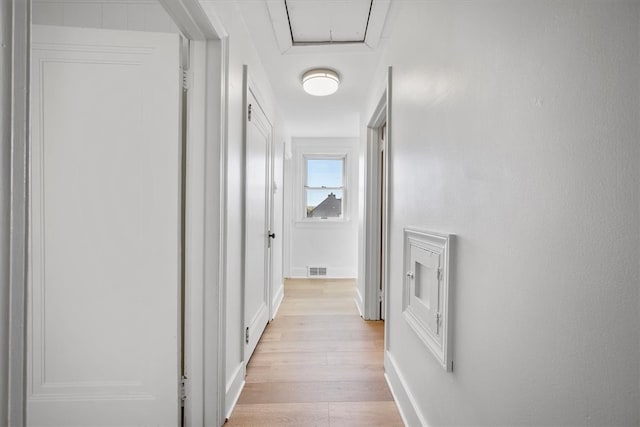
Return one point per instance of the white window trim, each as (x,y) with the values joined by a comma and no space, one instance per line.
(302,187)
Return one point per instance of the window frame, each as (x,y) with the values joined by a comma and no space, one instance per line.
(305,187)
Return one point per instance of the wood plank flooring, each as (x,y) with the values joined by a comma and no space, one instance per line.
(317,364)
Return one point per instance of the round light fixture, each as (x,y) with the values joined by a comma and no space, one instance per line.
(320,82)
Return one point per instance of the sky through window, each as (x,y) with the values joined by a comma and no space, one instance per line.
(323,173)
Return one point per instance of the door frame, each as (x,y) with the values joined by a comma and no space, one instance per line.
(15,18)
(205,209)
(249,87)
(376,230)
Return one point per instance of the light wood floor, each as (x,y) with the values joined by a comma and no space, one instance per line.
(317,364)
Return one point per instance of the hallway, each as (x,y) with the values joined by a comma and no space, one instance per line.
(318,363)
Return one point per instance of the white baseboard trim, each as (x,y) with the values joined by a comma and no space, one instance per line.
(332,273)
(407,405)
(234,388)
(277,300)
(359,302)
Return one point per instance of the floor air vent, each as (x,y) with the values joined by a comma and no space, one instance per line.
(316,271)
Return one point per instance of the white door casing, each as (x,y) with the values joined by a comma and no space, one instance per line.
(258,138)
(104,249)
(374,253)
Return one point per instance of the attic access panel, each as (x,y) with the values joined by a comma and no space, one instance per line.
(328,22)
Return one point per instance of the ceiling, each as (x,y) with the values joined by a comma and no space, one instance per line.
(285,62)
(133,15)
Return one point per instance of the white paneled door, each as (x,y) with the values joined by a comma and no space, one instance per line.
(104,248)
(257,240)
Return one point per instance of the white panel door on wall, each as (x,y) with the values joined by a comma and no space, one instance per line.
(104,251)
(257,199)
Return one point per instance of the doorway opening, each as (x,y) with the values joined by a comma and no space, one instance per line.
(374,254)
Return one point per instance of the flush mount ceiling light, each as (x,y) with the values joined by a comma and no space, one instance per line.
(320,82)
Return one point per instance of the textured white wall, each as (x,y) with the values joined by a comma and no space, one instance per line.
(515,126)
(332,244)
(241,52)
(133,15)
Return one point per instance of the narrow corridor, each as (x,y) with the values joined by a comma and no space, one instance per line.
(318,363)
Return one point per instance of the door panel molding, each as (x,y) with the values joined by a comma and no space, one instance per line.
(15,17)
(104,228)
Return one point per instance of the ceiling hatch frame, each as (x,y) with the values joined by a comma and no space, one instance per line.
(283,30)
(295,42)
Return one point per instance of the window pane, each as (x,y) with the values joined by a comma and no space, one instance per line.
(324,203)
(324,172)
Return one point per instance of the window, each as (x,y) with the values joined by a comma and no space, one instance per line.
(324,190)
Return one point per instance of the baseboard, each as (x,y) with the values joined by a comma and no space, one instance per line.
(407,405)
(332,273)
(234,388)
(277,300)
(359,302)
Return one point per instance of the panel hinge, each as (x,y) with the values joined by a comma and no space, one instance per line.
(440,274)
(246,335)
(380,295)
(249,113)
(186,79)
(183,389)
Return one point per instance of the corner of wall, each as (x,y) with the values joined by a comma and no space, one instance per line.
(406,402)
(277,299)
(359,300)
(233,389)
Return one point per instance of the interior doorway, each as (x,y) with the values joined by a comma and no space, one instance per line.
(376,211)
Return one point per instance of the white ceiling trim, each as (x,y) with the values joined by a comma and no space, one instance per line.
(280,24)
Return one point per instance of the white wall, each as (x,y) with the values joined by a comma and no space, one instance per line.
(515,127)
(333,244)
(241,52)
(138,15)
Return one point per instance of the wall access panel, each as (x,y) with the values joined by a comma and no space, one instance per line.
(426,302)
